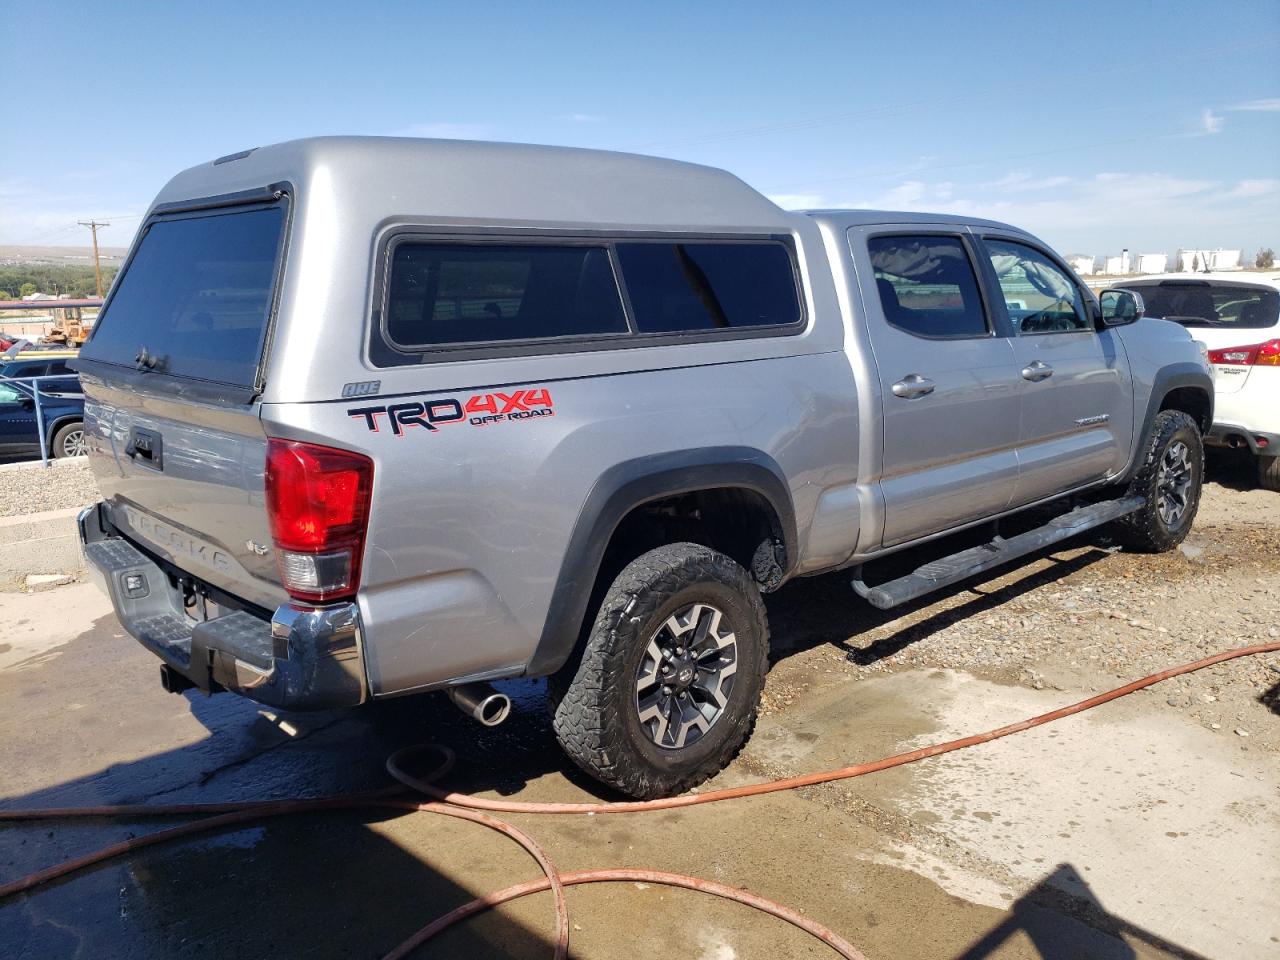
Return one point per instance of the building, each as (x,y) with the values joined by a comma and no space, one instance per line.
(1081,265)
(1200,261)
(1153,262)
(1118,266)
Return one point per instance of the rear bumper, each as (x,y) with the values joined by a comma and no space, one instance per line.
(1260,442)
(304,658)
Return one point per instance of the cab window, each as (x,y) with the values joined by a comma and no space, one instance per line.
(927,286)
(1039,295)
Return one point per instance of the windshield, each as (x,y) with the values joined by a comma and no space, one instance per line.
(195,299)
(1203,303)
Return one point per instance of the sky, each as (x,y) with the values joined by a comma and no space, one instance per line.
(1096,126)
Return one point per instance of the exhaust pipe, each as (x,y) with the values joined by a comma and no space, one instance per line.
(481,702)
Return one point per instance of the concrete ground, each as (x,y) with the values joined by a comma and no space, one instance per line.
(1147,828)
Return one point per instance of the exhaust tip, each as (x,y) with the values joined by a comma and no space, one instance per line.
(485,705)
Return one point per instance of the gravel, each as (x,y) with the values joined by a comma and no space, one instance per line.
(1082,620)
(30,487)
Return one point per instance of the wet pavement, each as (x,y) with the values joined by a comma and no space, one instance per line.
(83,721)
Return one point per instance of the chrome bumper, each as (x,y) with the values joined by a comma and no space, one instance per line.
(304,658)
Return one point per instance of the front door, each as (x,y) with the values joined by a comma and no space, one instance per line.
(1077,395)
(17,421)
(947,377)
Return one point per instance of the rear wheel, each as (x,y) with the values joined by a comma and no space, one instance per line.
(68,441)
(1170,479)
(665,693)
(1269,473)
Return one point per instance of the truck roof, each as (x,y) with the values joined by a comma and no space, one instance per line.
(865,218)
(497,182)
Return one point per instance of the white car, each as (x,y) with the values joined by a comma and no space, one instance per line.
(1237,316)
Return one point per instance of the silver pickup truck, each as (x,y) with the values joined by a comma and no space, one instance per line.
(379,416)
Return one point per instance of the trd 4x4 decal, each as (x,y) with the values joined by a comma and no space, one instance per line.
(479,410)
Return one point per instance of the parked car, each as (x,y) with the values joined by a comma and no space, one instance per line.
(568,414)
(62,407)
(36,364)
(1237,317)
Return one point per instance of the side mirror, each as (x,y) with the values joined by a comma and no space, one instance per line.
(1121,306)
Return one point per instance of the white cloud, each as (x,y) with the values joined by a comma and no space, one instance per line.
(583,118)
(46,214)
(1108,210)
(1210,122)
(1253,188)
(1020,181)
(798,201)
(1271,105)
(446,131)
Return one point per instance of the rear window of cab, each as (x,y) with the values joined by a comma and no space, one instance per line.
(443,296)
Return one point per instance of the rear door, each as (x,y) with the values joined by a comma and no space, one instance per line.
(171,377)
(947,380)
(1077,394)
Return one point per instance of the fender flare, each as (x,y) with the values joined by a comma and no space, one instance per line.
(1167,379)
(621,489)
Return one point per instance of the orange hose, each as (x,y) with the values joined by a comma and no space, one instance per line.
(623,875)
(282,807)
(825,776)
(465,807)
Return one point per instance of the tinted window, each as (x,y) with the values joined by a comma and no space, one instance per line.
(927,286)
(444,294)
(57,367)
(1039,295)
(197,295)
(22,368)
(1203,303)
(676,287)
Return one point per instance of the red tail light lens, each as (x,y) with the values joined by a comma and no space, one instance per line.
(1258,354)
(318,502)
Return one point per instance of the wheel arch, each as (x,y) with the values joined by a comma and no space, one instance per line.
(58,423)
(1180,386)
(630,486)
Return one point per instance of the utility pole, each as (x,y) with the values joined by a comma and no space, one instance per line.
(97,267)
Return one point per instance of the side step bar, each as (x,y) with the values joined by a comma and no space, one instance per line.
(967,563)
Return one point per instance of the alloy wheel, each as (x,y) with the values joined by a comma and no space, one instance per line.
(686,675)
(1173,483)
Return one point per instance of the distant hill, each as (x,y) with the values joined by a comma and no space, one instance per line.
(60,256)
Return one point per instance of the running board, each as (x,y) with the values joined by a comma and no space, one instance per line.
(968,563)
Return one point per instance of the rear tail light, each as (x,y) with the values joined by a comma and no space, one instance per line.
(1257,355)
(318,503)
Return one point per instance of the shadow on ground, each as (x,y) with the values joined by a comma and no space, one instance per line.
(1037,915)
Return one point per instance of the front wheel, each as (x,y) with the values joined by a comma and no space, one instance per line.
(1169,479)
(667,688)
(68,441)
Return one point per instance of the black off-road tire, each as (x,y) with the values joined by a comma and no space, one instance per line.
(1146,531)
(594,708)
(1269,473)
(58,448)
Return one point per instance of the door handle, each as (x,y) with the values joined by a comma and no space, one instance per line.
(911,386)
(1037,371)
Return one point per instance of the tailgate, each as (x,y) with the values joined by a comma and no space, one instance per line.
(171,375)
(186,482)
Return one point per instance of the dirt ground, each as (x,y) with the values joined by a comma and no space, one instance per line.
(1146,828)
